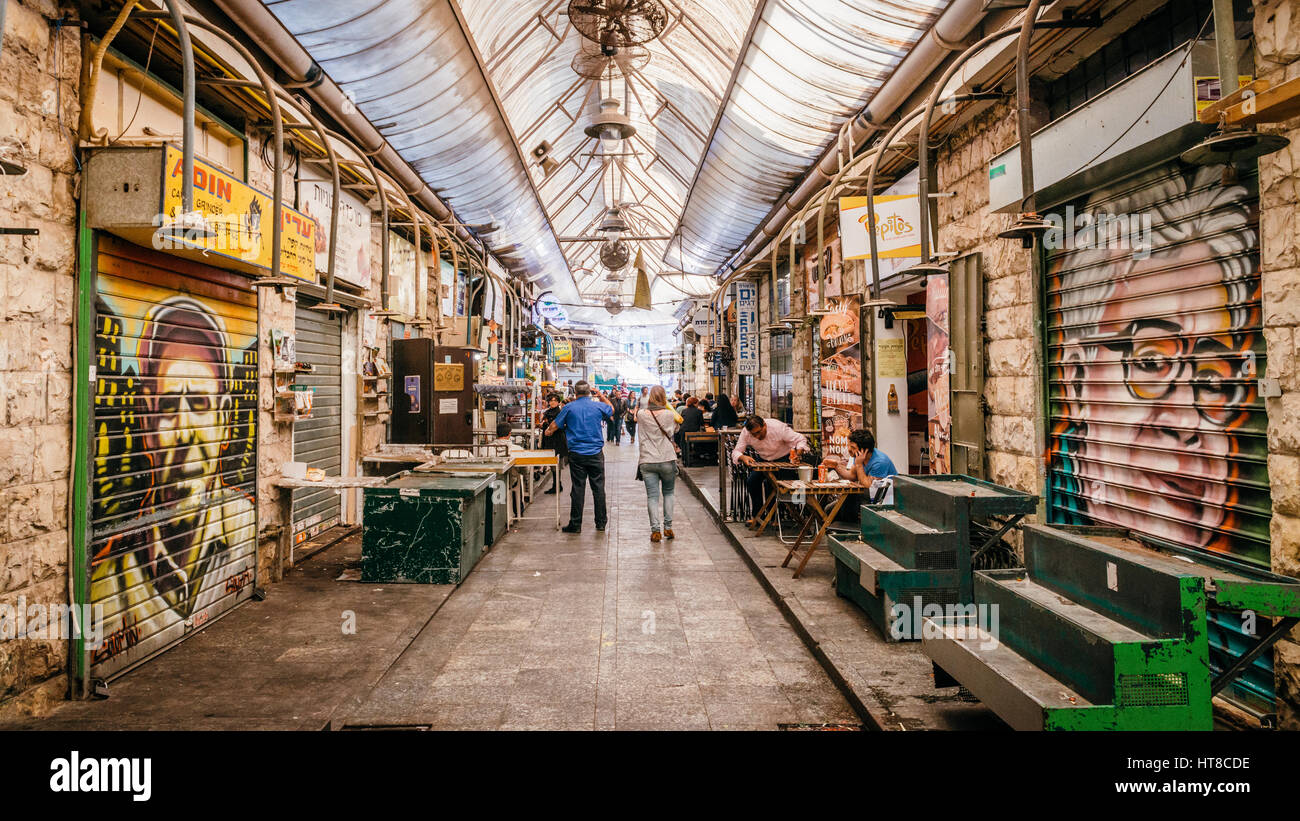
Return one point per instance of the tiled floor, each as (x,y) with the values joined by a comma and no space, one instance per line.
(550,631)
(608,631)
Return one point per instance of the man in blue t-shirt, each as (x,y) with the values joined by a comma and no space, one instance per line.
(583,421)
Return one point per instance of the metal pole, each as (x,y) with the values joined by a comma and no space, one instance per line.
(187,89)
(1028,203)
(1225,41)
(277,126)
(923,149)
(329,304)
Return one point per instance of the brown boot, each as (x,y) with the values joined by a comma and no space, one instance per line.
(654,536)
(668,533)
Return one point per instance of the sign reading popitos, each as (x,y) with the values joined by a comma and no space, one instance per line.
(898,231)
(239,217)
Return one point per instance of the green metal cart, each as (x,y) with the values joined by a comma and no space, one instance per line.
(425,528)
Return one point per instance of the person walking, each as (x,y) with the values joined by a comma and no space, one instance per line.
(657,461)
(615,426)
(581,422)
(630,420)
(555,441)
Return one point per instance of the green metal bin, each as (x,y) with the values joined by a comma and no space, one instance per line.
(424,529)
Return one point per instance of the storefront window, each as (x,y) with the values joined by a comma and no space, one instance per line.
(783,376)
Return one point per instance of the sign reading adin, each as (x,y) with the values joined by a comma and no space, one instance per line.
(746,329)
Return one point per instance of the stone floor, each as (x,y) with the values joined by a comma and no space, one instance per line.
(893,683)
(609,631)
(550,631)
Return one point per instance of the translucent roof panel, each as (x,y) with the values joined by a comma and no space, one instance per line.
(412,72)
(811,65)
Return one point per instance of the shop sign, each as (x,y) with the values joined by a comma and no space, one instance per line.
(704,322)
(352,247)
(898,227)
(563,350)
(235,212)
(746,328)
(402,275)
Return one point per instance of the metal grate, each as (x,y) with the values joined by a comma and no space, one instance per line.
(929,595)
(1153,690)
(936,560)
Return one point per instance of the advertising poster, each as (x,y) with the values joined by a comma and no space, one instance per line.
(402,275)
(352,248)
(938,362)
(747,328)
(840,340)
(833,268)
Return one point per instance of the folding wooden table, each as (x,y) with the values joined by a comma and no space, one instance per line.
(816,496)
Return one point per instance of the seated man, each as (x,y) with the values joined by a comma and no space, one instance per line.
(503,437)
(865,465)
(773,441)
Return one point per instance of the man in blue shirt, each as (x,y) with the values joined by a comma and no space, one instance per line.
(582,421)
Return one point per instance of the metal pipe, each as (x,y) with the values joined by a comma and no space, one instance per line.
(957,21)
(883,148)
(277,126)
(1225,43)
(383,210)
(923,147)
(1028,203)
(334,202)
(187,91)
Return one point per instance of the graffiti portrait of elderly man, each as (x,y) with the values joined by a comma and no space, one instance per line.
(1154,352)
(190,532)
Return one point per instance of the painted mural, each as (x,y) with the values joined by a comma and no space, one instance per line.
(173,519)
(841,373)
(938,367)
(1155,345)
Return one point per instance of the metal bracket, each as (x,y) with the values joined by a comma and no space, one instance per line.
(1270,638)
(996,537)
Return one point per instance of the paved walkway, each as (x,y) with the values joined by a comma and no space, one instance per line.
(608,631)
(550,631)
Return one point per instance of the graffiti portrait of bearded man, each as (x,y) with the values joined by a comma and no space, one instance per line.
(192,532)
(1157,425)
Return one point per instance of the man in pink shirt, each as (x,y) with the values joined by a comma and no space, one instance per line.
(773,441)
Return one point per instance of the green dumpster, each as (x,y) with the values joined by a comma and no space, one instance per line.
(498,497)
(424,529)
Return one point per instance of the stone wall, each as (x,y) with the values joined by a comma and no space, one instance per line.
(1012,360)
(39,68)
(1277,55)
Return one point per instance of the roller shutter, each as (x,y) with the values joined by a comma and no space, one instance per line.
(174,460)
(318,441)
(1153,355)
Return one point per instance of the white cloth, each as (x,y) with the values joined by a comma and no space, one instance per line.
(653,445)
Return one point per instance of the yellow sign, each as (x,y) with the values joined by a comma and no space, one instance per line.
(448,376)
(563,350)
(897,228)
(236,213)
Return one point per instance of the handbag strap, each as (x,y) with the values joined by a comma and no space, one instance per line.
(660,425)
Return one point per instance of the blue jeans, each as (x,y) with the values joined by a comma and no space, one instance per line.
(657,475)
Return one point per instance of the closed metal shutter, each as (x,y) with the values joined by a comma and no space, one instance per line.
(318,441)
(1153,355)
(174,461)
